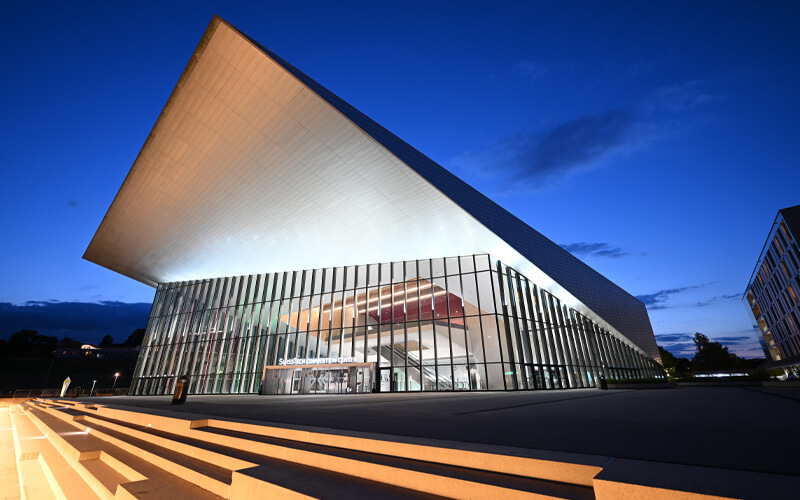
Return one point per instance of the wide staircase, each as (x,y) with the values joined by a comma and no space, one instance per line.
(72,450)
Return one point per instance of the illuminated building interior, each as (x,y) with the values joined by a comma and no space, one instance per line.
(461,323)
(297,246)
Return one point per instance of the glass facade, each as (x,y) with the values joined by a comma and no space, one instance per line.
(465,323)
(773,294)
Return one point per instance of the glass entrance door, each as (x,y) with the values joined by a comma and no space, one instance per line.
(318,379)
(385,380)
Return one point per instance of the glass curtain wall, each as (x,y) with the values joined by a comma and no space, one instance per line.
(453,324)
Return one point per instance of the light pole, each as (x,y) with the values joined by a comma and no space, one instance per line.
(116,376)
(92,391)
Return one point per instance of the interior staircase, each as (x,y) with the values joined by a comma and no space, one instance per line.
(72,450)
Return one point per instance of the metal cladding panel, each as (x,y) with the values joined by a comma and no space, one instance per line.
(254,167)
(622,310)
(247,170)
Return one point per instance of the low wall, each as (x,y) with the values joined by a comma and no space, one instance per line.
(785,384)
(722,383)
(657,385)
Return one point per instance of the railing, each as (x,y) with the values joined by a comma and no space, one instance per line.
(75,392)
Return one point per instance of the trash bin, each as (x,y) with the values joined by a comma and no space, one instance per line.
(603,384)
(181,390)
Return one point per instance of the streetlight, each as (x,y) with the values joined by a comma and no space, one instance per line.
(116,375)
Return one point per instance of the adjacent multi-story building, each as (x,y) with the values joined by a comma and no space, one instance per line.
(297,246)
(773,293)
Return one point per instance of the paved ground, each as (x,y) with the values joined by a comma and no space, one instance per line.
(9,481)
(744,428)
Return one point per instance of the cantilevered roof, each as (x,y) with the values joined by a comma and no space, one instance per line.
(253,167)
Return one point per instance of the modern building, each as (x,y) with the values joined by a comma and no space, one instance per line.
(299,247)
(773,292)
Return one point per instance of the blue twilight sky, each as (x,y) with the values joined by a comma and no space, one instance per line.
(654,140)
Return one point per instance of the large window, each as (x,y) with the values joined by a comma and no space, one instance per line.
(462,323)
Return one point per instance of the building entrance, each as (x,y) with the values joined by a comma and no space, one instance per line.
(345,378)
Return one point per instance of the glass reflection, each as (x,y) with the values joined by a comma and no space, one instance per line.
(451,324)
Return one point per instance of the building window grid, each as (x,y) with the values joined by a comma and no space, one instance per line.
(580,356)
(539,335)
(586,352)
(525,361)
(564,343)
(511,351)
(554,354)
(547,344)
(550,341)
(602,352)
(595,365)
(525,326)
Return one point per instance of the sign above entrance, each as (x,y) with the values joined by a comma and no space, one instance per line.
(315,361)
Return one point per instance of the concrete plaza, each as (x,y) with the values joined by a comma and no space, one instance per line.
(731,427)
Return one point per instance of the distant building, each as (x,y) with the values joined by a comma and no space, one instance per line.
(299,247)
(773,293)
(89,351)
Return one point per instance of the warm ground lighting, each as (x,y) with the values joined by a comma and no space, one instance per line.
(9,480)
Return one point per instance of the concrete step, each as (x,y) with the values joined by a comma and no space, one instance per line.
(269,478)
(560,467)
(35,481)
(272,477)
(303,462)
(568,468)
(391,467)
(9,473)
(111,471)
(44,471)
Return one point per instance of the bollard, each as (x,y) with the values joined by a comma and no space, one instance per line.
(181,390)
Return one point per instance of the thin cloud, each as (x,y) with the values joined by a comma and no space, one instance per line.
(656,300)
(682,98)
(734,341)
(671,338)
(538,158)
(595,250)
(574,143)
(646,66)
(83,321)
(679,344)
(718,298)
(529,69)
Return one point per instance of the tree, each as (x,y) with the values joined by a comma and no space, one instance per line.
(28,343)
(674,366)
(684,367)
(667,359)
(135,338)
(712,356)
(107,341)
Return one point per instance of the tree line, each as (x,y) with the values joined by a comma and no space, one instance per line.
(32,344)
(708,357)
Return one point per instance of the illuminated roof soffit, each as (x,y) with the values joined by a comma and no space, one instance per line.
(248,169)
